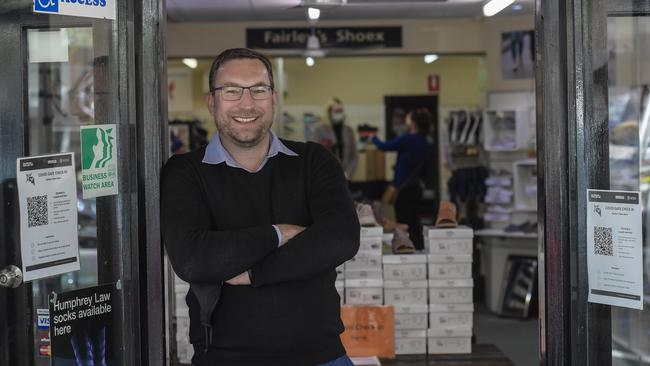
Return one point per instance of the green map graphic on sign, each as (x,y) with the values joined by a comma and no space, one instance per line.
(97,147)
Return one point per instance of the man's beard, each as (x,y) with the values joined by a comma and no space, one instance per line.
(257,134)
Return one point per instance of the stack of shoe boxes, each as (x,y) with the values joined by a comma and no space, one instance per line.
(450,289)
(405,287)
(363,275)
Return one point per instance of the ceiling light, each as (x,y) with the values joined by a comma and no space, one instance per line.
(495,6)
(192,63)
(517,7)
(430,58)
(313,13)
(310,61)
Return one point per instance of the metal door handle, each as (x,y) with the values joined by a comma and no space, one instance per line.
(11,277)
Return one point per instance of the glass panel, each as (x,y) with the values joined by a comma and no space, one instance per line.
(629,163)
(71,82)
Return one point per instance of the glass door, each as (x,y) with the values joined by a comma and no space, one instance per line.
(60,74)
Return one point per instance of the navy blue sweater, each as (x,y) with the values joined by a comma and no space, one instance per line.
(412,150)
(217,223)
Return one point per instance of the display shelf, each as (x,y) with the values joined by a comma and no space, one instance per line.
(525,184)
(501,233)
(506,130)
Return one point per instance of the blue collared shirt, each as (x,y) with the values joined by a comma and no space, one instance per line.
(215,153)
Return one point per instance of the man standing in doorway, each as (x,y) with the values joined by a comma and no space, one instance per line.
(257,226)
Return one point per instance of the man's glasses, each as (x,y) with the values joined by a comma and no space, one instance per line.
(231,93)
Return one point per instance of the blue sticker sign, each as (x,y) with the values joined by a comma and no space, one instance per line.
(103,9)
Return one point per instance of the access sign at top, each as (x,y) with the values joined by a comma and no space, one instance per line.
(103,9)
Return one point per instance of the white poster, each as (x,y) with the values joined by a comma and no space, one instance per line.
(98,160)
(614,246)
(47,192)
(103,9)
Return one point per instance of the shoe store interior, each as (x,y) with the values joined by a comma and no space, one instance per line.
(430,109)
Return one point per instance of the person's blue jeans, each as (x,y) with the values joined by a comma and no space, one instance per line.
(341,361)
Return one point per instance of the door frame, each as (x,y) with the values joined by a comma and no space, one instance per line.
(138,45)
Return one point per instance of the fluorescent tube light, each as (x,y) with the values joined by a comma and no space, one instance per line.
(495,6)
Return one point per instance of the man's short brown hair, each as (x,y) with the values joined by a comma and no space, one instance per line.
(236,54)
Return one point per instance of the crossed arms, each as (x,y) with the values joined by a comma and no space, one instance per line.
(203,256)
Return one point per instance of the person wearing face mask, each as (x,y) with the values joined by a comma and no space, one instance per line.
(338,137)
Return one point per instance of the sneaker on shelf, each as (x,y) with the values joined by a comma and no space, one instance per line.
(366,216)
(402,244)
(446,215)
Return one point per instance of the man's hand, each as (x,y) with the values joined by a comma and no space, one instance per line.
(289,231)
(242,279)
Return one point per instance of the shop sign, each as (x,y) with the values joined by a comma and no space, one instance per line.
(81,326)
(47,194)
(614,248)
(98,160)
(103,9)
(329,37)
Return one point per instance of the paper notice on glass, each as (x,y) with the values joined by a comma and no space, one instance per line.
(47,192)
(614,247)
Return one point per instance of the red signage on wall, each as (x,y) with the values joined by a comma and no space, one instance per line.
(433,83)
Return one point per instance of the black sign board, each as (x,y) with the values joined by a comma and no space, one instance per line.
(329,37)
(81,326)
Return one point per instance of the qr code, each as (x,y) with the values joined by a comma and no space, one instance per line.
(37,210)
(603,244)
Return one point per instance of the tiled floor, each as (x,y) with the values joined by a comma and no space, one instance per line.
(517,339)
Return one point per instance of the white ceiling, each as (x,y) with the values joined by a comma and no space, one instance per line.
(270,10)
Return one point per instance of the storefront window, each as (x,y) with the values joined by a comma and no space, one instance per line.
(629,163)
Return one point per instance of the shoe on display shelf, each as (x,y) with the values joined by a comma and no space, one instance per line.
(365,214)
(401,243)
(446,215)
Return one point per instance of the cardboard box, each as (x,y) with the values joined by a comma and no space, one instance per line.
(411,316)
(405,292)
(340,272)
(402,272)
(459,291)
(370,245)
(375,164)
(451,316)
(442,345)
(449,241)
(340,288)
(352,274)
(410,342)
(364,261)
(450,266)
(364,292)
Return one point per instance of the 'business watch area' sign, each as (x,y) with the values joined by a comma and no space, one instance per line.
(329,37)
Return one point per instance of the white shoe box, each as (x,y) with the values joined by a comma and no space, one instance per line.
(450,266)
(183,329)
(411,316)
(354,274)
(364,292)
(181,304)
(403,272)
(449,241)
(451,316)
(405,292)
(410,342)
(340,272)
(364,261)
(457,291)
(370,245)
(340,288)
(405,267)
(368,231)
(452,340)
